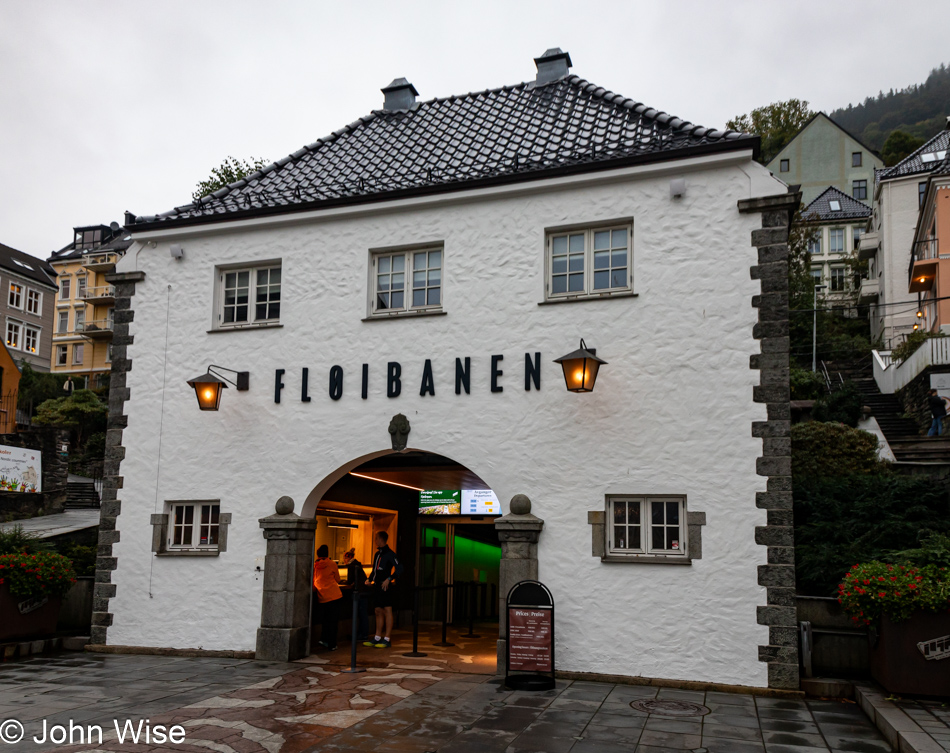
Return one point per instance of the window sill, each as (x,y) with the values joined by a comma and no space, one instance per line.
(188,553)
(595,297)
(404,315)
(244,328)
(646,559)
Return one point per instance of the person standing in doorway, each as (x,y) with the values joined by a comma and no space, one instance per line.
(386,569)
(326,580)
(938,410)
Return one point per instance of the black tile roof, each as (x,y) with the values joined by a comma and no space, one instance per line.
(119,243)
(27,266)
(918,161)
(519,132)
(851,209)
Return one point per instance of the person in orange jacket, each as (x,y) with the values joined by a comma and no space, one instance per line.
(326,581)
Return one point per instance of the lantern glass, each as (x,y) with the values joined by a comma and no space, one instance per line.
(580,369)
(208,389)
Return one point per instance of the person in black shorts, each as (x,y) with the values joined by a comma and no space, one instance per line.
(386,569)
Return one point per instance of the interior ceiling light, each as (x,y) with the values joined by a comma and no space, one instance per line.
(384,481)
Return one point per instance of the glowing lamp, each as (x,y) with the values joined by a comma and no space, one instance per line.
(580,368)
(209,386)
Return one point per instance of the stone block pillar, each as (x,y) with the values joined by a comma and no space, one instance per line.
(519,532)
(284,634)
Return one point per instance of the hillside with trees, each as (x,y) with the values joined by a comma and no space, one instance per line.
(919,111)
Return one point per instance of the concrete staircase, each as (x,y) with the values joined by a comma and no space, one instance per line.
(81,494)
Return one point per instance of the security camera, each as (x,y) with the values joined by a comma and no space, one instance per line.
(176,251)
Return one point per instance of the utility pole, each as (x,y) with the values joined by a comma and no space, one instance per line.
(814,330)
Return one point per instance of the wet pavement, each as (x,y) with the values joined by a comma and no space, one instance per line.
(243,706)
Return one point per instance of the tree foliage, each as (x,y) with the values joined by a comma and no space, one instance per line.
(919,110)
(898,145)
(821,450)
(229,171)
(776,123)
(36,387)
(841,406)
(83,411)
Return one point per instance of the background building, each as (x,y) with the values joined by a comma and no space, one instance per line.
(930,254)
(823,154)
(26,316)
(85,302)
(898,197)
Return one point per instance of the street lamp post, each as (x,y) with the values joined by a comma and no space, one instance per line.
(814,330)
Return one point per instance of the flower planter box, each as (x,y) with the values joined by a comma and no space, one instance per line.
(26,618)
(898,660)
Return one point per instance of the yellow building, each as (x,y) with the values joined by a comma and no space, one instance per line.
(85,303)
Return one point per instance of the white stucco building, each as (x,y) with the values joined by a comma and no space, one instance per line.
(462,245)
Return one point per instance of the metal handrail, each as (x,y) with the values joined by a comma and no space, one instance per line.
(103,291)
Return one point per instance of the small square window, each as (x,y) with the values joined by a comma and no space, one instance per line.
(783,166)
(589,262)
(193,526)
(856,159)
(405,281)
(654,526)
(249,296)
(859,190)
(834,205)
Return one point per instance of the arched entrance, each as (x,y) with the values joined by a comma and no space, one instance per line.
(439,516)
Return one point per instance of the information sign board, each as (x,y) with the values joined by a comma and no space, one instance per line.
(529,656)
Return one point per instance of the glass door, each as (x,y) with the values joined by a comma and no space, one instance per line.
(432,573)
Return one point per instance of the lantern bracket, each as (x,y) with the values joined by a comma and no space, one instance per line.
(243,377)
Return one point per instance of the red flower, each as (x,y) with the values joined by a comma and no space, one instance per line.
(881,594)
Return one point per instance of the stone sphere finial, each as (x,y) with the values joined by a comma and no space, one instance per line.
(519,505)
(284,506)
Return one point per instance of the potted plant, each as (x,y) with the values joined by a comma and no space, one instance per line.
(907,609)
(32,586)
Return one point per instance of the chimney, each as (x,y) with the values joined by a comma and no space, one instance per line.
(552,65)
(400,95)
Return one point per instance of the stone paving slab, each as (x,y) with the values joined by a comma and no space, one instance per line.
(910,726)
(252,707)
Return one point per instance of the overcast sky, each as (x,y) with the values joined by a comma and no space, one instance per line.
(114,105)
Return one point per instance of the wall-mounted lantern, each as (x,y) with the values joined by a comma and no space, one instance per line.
(580,368)
(209,386)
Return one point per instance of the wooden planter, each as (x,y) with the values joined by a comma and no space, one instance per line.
(26,618)
(898,651)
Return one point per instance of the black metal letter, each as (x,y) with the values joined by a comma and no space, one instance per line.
(336,382)
(393,383)
(495,373)
(304,379)
(428,385)
(532,372)
(278,385)
(365,380)
(463,376)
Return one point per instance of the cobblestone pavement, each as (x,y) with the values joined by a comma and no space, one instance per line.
(933,717)
(237,706)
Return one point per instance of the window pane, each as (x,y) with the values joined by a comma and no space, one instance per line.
(435,276)
(399,263)
(397,299)
(658,537)
(434,296)
(601,280)
(419,297)
(382,301)
(559,284)
(397,281)
(576,284)
(241,313)
(260,312)
(633,512)
(382,282)
(633,532)
(619,239)
(559,265)
(619,259)
(618,278)
(244,279)
(275,276)
(577,244)
(620,537)
(384,264)
(435,258)
(262,277)
(576,263)
(620,512)
(602,240)
(672,513)
(419,261)
(560,245)
(601,259)
(672,538)
(657,508)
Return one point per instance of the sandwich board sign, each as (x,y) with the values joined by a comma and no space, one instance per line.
(529,650)
(21,469)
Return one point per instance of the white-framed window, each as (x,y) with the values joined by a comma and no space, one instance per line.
(79,320)
(78,353)
(589,262)
(109,353)
(62,355)
(62,322)
(814,244)
(783,166)
(816,275)
(856,234)
(31,339)
(838,279)
(647,525)
(13,334)
(15,297)
(249,296)
(836,240)
(409,280)
(64,285)
(81,287)
(34,301)
(193,525)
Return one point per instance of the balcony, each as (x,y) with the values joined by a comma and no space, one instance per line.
(923,266)
(99,295)
(870,290)
(103,261)
(868,246)
(98,329)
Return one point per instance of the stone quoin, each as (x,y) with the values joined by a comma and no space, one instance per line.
(432,260)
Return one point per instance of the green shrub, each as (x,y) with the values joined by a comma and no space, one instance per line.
(934,550)
(18,541)
(844,406)
(833,449)
(914,340)
(806,385)
(82,556)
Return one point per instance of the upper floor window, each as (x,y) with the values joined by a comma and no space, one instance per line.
(62,324)
(78,353)
(859,189)
(81,288)
(783,166)
(64,289)
(15,298)
(589,262)
(88,238)
(856,234)
(921,193)
(644,525)
(856,159)
(13,334)
(407,281)
(34,301)
(836,240)
(814,244)
(816,275)
(62,355)
(838,279)
(249,296)
(31,339)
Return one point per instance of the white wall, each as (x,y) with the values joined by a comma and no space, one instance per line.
(671,413)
